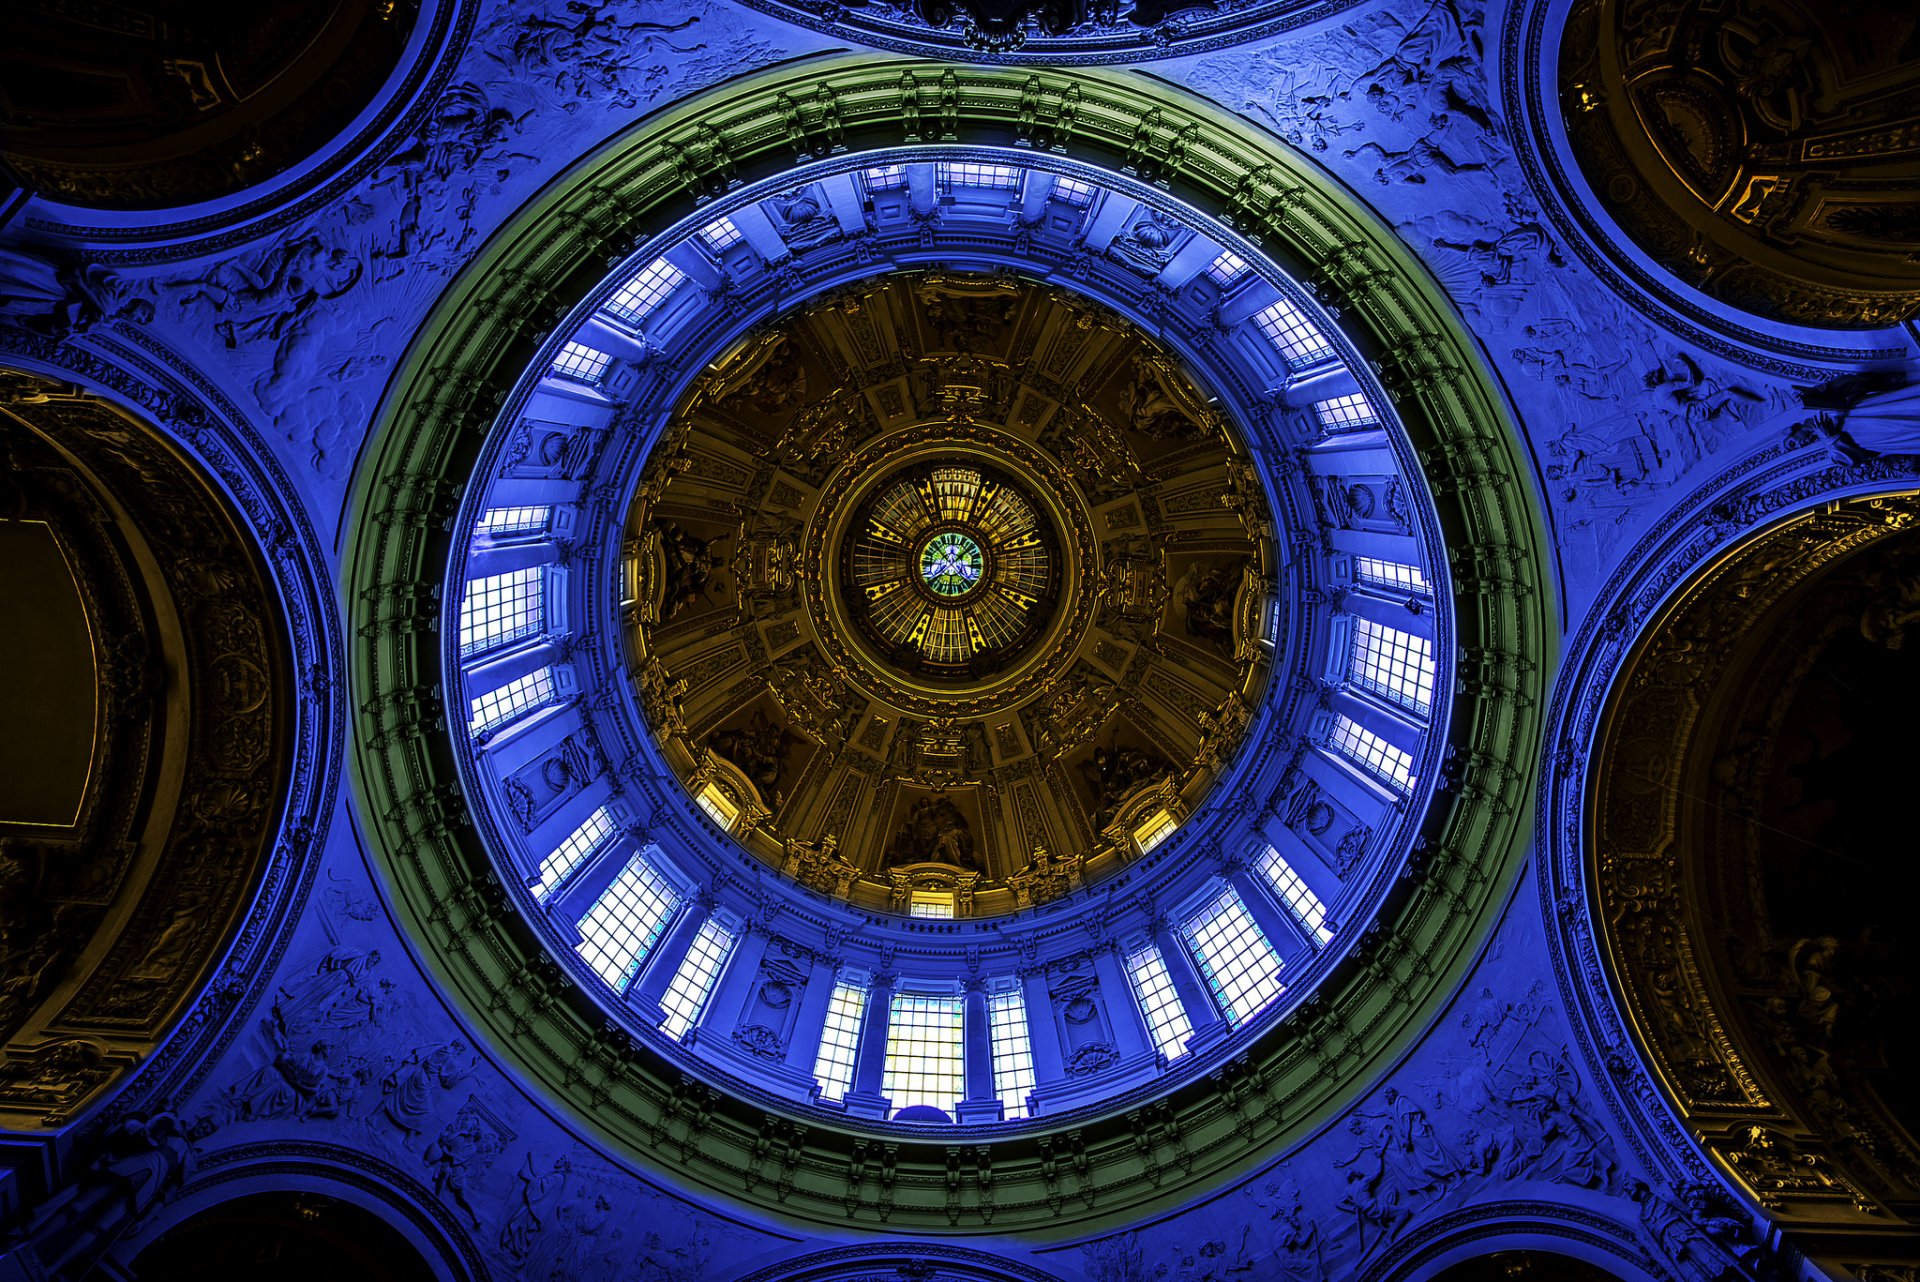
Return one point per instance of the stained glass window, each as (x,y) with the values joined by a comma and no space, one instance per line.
(924,1052)
(645,291)
(626,921)
(501,608)
(1013,1075)
(840,1039)
(594,831)
(1372,753)
(1393,664)
(581,363)
(1073,192)
(506,703)
(1227,268)
(1390,574)
(1297,896)
(969,174)
(930,903)
(500,522)
(1345,413)
(1158,827)
(720,234)
(1298,338)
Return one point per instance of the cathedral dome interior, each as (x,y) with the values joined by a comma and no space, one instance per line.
(958,640)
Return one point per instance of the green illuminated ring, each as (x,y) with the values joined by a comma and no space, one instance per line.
(478,342)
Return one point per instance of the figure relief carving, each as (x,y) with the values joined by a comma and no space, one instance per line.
(1117,771)
(935,831)
(761,748)
(1045,878)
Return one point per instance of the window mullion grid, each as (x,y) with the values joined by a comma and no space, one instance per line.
(1235,956)
(693,982)
(626,921)
(840,1039)
(925,1052)
(1013,1071)
(1153,988)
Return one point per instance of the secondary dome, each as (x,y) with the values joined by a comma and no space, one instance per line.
(954,592)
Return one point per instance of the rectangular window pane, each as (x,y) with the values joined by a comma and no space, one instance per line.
(1235,955)
(501,608)
(923,1052)
(1390,574)
(647,289)
(625,922)
(505,703)
(693,982)
(1371,753)
(1394,664)
(720,234)
(1345,413)
(840,1039)
(930,903)
(1013,1076)
(1072,191)
(1227,268)
(1153,989)
(581,363)
(1159,826)
(1297,896)
(1298,338)
(718,805)
(580,843)
(498,522)
(885,178)
(968,174)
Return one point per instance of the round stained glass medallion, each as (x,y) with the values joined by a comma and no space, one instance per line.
(971,542)
(952,563)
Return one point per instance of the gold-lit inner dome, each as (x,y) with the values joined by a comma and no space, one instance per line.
(949,594)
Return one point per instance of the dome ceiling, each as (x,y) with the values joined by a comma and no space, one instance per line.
(123,109)
(558,862)
(1757,158)
(1744,855)
(949,583)
(1044,31)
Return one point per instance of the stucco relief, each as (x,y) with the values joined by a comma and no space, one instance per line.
(1493,1106)
(309,326)
(344,1054)
(1396,100)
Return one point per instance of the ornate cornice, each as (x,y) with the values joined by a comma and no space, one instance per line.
(484,333)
